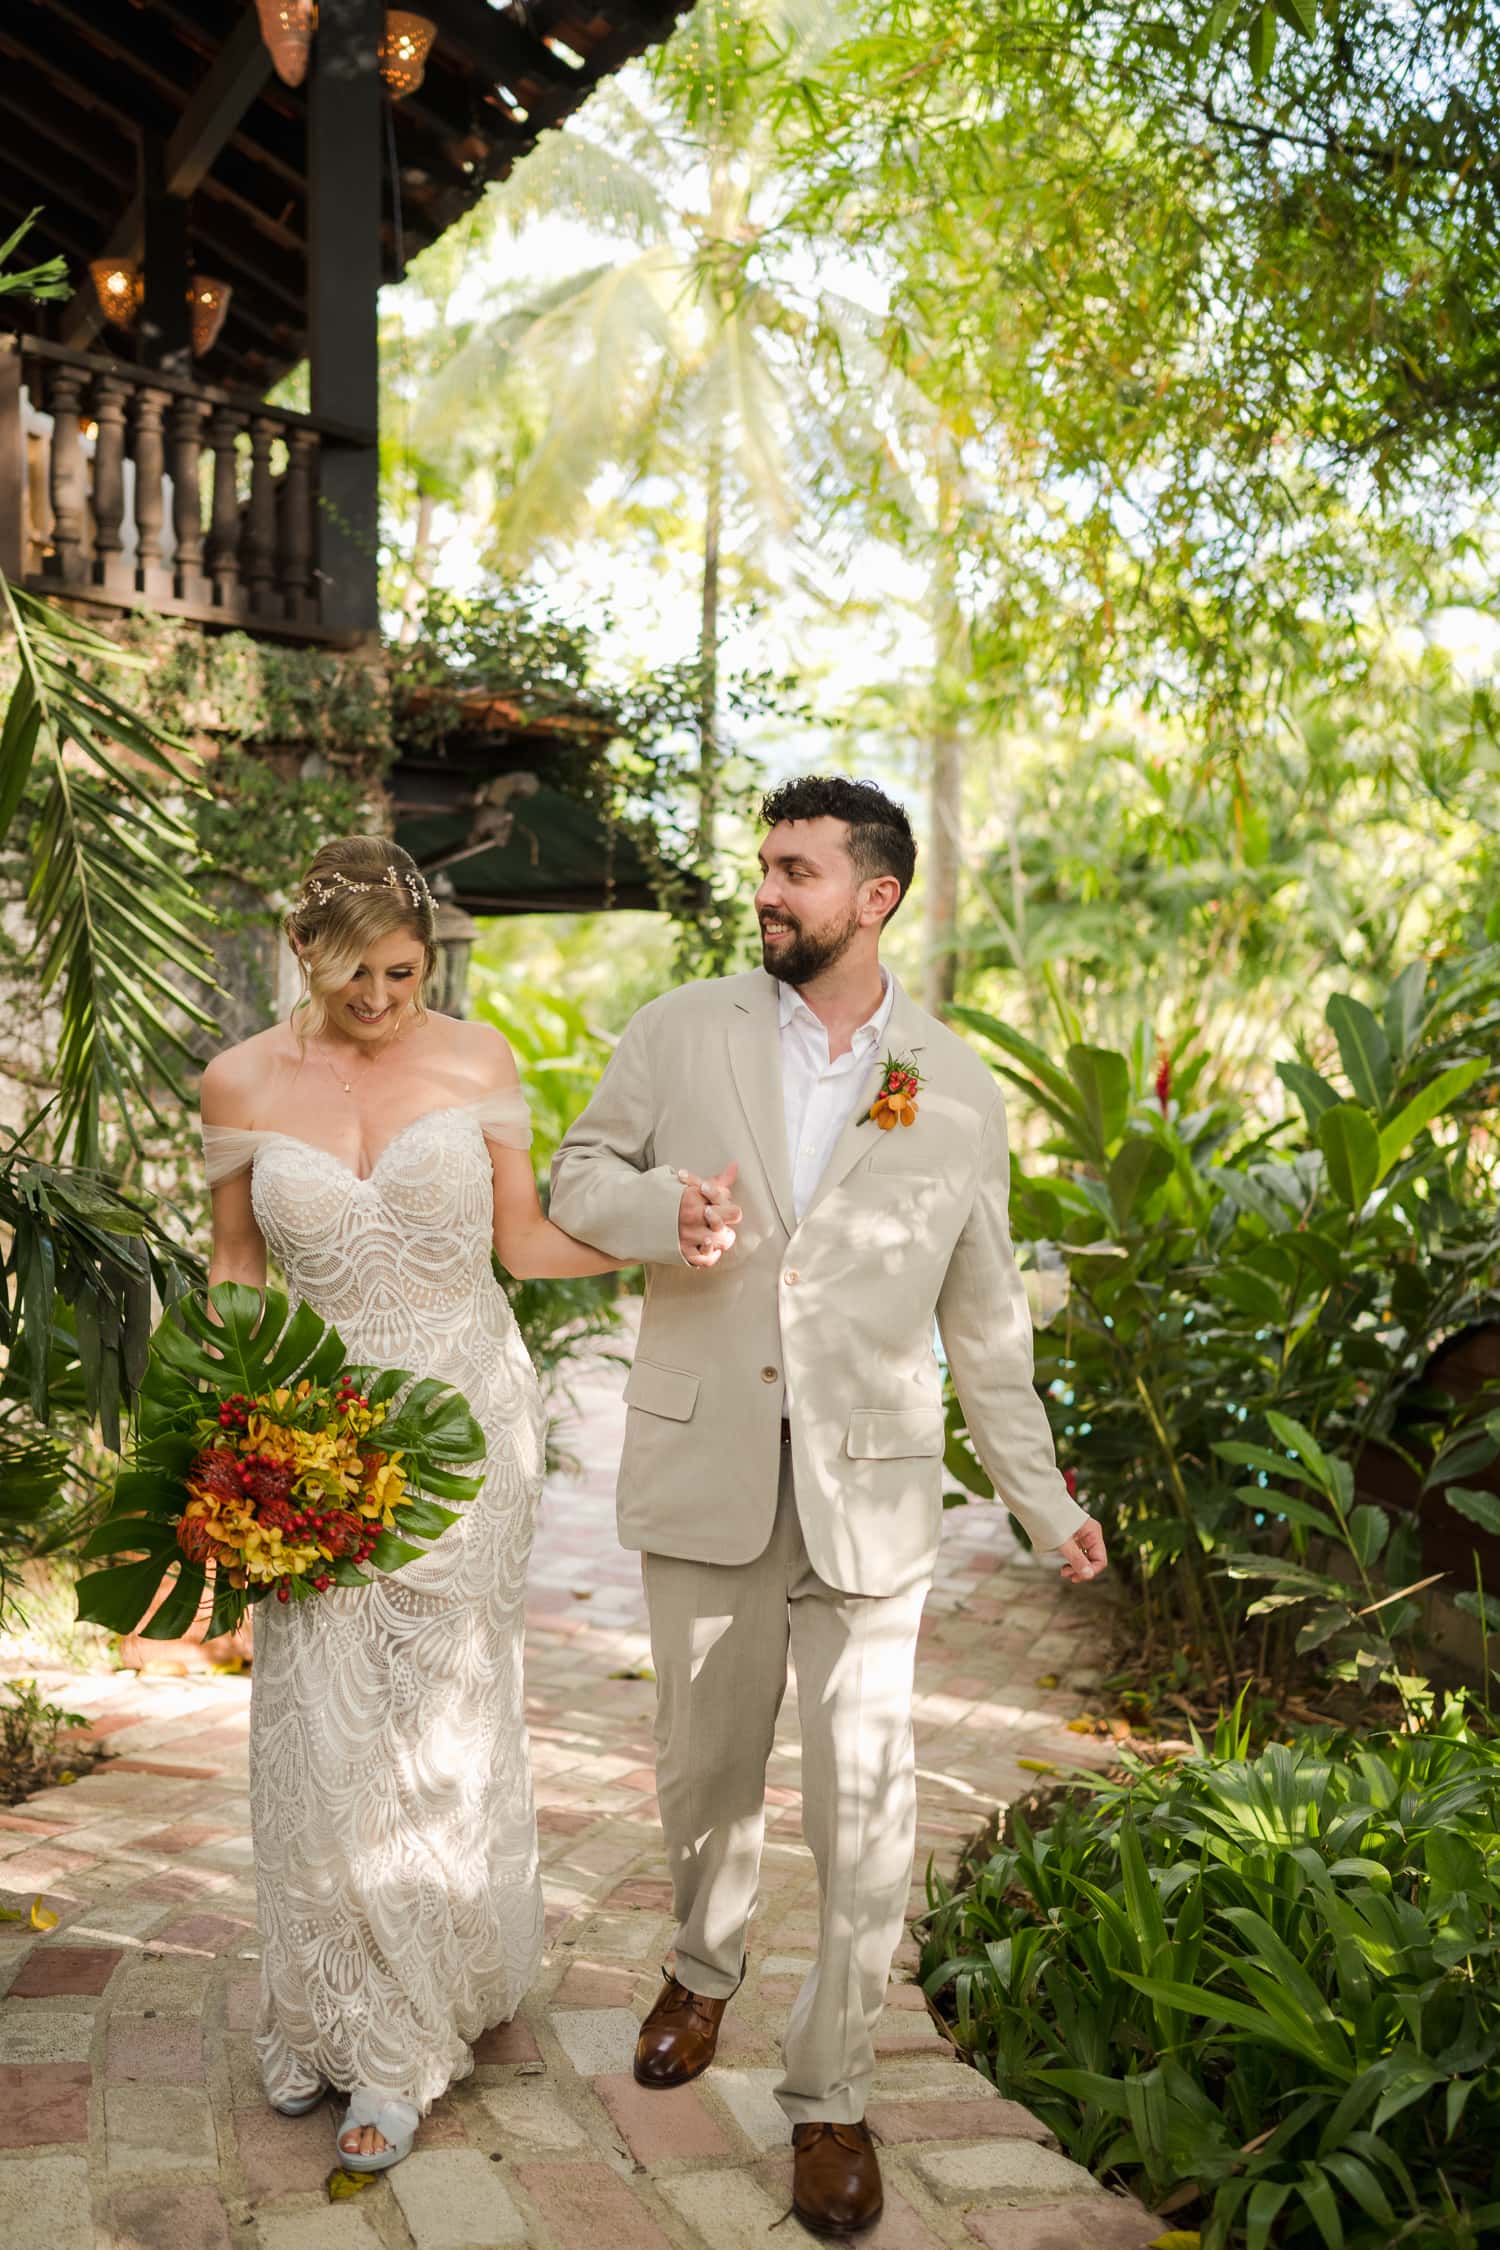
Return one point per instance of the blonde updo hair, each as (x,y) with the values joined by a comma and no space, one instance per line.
(357,890)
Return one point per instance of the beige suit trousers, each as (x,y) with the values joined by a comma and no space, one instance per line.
(720,1638)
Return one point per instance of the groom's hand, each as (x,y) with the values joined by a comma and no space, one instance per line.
(1082,1557)
(706,1218)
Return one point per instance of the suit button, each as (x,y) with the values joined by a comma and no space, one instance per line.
(768,1374)
(792,1278)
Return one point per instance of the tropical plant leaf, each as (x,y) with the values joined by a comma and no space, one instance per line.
(120,934)
(1482,1508)
(1351,1147)
(1363,1050)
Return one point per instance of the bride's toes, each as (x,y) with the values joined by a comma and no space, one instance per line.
(362,2140)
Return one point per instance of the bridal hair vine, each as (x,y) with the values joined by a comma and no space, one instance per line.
(318,889)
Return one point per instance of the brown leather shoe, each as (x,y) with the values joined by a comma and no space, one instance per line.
(835,2178)
(678,2038)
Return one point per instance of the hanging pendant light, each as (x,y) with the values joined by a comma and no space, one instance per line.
(208,302)
(404,51)
(287,27)
(119,285)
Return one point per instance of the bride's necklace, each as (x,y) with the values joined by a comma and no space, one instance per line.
(347,1083)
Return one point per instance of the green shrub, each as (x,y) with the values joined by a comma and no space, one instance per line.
(1272,1979)
(1250,1299)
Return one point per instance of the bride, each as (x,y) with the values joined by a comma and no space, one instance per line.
(379,1150)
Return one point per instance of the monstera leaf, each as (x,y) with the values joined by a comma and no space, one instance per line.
(248,1341)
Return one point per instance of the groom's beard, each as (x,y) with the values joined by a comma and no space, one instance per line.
(808,953)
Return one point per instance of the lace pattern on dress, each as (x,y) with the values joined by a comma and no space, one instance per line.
(390,1783)
(502,1117)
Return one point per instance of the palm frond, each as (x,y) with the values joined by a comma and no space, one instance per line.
(119,930)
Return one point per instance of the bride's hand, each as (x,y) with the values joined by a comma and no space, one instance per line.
(706,1218)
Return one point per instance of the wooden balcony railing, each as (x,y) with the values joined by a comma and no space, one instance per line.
(139,490)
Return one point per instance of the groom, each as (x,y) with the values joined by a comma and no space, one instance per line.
(782,1471)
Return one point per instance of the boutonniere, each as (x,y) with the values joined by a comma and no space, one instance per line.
(896,1103)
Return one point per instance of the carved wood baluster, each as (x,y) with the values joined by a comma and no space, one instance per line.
(259,552)
(151,577)
(224,523)
(190,584)
(12,463)
(67,560)
(294,545)
(111,569)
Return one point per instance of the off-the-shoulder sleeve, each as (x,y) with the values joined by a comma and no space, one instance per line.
(228,1149)
(504,1117)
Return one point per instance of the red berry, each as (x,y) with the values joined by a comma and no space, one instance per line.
(323,1582)
(283,1592)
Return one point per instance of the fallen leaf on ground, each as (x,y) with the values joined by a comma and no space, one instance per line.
(342,2184)
(10,1914)
(1035,1765)
(42,1917)
(638,1672)
(583,1593)
(1048,1679)
(1084,1725)
(1180,2240)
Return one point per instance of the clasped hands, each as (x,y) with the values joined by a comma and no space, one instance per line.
(706,1217)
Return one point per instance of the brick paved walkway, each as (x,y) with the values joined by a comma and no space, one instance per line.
(131,2116)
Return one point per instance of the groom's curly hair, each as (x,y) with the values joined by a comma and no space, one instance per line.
(880,837)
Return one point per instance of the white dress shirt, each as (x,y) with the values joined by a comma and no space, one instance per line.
(819,1095)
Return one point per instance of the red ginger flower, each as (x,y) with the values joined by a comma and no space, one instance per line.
(1164,1082)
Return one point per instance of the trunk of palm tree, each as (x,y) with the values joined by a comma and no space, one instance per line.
(945,788)
(708,658)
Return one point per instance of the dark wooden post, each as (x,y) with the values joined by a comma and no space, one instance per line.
(224,518)
(65,397)
(165,334)
(343,272)
(111,570)
(187,500)
(151,578)
(258,555)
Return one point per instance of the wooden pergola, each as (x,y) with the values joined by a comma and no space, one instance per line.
(156,131)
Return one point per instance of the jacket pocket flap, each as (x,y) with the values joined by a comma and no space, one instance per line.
(894,1433)
(669,1391)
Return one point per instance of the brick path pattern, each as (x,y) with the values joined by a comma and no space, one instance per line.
(131,2115)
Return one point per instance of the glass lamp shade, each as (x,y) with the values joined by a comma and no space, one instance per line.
(287,27)
(119,285)
(404,51)
(208,302)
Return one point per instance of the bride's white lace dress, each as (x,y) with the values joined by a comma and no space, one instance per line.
(390,1778)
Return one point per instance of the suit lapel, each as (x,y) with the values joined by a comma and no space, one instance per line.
(755,1059)
(905,1034)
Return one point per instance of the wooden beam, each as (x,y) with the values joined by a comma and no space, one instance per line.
(240,69)
(233,83)
(345,158)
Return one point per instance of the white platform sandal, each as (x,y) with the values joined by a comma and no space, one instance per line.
(393,2119)
(301,2106)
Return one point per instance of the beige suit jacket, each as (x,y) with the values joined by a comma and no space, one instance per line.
(904,1226)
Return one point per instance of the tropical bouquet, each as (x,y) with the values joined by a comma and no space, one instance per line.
(266,1462)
